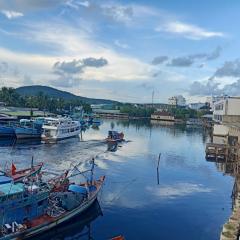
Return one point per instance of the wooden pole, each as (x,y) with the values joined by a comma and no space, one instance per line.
(159,157)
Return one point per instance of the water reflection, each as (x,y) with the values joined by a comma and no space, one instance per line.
(13,142)
(80,227)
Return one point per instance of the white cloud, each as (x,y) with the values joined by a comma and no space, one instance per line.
(66,43)
(120,44)
(28,5)
(11,14)
(187,30)
(178,190)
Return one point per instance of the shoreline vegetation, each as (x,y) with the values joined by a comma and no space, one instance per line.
(41,101)
(58,105)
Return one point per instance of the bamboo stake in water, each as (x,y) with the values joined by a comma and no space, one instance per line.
(159,157)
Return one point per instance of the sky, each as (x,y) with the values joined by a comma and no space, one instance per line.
(122,50)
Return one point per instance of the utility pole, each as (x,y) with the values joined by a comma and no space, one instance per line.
(152,97)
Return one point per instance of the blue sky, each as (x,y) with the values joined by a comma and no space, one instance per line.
(122,50)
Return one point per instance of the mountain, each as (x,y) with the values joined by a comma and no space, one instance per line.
(56,93)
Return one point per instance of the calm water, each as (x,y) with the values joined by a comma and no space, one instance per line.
(191,200)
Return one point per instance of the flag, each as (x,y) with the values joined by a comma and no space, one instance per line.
(13,169)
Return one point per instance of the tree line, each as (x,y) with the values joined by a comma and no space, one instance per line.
(134,111)
(41,101)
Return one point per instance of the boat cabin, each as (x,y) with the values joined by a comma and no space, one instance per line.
(20,202)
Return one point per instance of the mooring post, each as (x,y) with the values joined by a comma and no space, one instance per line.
(159,157)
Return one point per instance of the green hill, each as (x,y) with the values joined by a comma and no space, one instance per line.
(56,93)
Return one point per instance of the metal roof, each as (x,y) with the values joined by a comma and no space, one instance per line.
(5,179)
(9,188)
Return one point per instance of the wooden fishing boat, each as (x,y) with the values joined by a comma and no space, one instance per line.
(77,227)
(57,212)
(27,211)
(114,137)
(20,175)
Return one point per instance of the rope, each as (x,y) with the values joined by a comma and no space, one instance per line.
(117,195)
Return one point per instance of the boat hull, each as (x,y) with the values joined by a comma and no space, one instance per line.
(24,133)
(60,137)
(7,131)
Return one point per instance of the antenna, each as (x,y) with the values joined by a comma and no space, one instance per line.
(152,97)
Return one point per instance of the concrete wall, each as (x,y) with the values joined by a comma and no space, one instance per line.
(220,140)
(230,119)
(227,110)
(233,106)
(220,130)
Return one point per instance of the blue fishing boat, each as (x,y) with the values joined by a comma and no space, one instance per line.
(6,130)
(20,203)
(28,129)
(34,207)
(6,126)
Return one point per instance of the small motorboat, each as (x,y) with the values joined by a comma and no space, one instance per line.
(20,175)
(114,136)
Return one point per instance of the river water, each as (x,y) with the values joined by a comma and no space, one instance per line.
(187,199)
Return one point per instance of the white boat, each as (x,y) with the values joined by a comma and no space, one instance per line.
(55,129)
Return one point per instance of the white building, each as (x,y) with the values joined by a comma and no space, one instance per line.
(172,101)
(227,110)
(177,101)
(212,99)
(196,106)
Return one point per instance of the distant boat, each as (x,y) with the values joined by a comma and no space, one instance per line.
(55,129)
(96,123)
(114,136)
(6,130)
(28,129)
(6,126)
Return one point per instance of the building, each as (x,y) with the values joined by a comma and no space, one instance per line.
(196,106)
(158,106)
(177,101)
(110,113)
(172,101)
(212,99)
(162,116)
(227,110)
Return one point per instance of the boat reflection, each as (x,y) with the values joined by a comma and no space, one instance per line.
(77,228)
(13,141)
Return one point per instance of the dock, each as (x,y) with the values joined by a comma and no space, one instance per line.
(222,151)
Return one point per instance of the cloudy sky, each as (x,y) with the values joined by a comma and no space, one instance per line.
(122,50)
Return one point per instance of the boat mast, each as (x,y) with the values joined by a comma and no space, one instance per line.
(92,169)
